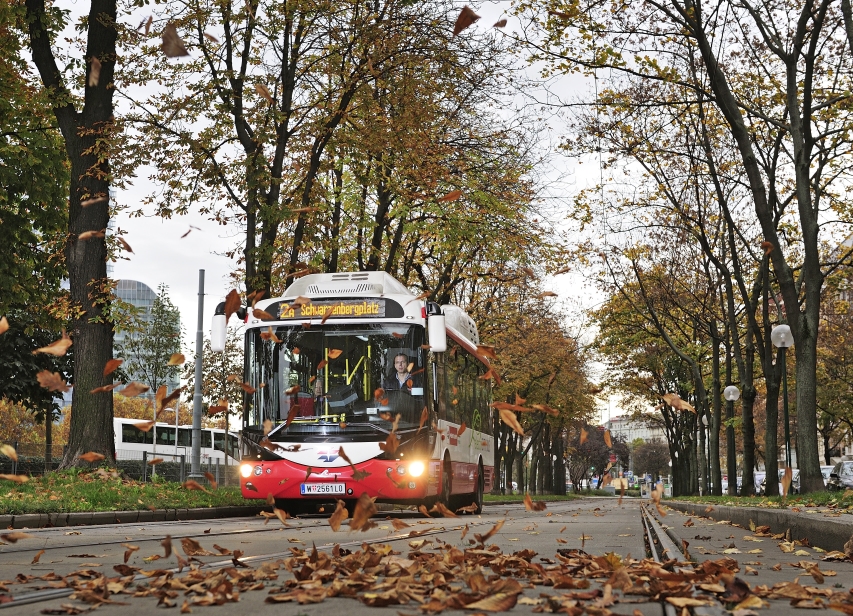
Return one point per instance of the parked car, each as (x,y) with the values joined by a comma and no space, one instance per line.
(825,471)
(841,476)
(795,482)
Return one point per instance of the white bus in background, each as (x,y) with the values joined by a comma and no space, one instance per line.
(130,442)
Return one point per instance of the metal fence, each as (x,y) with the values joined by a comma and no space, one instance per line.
(134,464)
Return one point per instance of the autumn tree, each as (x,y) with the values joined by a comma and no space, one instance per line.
(784,126)
(222,377)
(539,362)
(80,95)
(151,337)
(651,458)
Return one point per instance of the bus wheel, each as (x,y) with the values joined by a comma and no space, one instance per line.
(446,484)
(481,487)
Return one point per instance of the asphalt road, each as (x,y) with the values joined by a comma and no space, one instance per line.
(556,560)
(598,526)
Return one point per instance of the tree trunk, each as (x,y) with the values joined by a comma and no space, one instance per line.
(714,433)
(87,136)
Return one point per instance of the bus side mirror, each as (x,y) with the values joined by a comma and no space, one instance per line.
(437,333)
(217,333)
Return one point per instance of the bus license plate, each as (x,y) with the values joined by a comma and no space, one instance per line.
(322,488)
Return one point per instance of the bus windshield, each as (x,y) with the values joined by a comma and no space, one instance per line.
(339,382)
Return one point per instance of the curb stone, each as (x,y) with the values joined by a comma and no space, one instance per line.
(823,532)
(90,518)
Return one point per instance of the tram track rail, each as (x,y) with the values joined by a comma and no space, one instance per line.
(661,544)
(39,596)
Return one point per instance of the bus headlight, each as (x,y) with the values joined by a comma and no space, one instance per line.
(416,469)
(246,470)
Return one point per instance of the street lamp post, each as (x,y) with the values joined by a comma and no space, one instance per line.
(731,393)
(781,338)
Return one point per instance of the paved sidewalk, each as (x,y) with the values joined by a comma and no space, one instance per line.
(824,526)
(785,570)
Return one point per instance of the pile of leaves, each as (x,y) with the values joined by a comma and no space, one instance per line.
(433,576)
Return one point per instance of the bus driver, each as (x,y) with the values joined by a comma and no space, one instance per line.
(401,379)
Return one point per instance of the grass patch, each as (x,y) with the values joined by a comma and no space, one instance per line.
(77,490)
(842,502)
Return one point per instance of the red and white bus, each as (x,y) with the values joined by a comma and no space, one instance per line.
(346,357)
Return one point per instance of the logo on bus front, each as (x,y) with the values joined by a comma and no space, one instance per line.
(328,455)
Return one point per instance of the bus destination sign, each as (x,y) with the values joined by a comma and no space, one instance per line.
(340,309)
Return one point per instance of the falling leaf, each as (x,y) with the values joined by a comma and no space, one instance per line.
(424,418)
(172,44)
(334,353)
(530,505)
(483,538)
(37,556)
(767,247)
(322,364)
(14,537)
(144,426)
(16,478)
(546,409)
(232,304)
(124,244)
(91,456)
(391,443)
(4,325)
(329,312)
(192,547)
(248,388)
(155,461)
(442,510)
(9,451)
(164,402)
(786,481)
(94,72)
(584,436)
(454,194)
(399,524)
(58,348)
(607,440)
(112,365)
(509,418)
(263,315)
(130,550)
(267,426)
(545,294)
(94,200)
(364,509)
(281,515)
(465,19)
(264,91)
(461,430)
(191,484)
(212,479)
(134,389)
(176,359)
(87,235)
(338,516)
(675,401)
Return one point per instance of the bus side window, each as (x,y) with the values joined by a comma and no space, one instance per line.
(206,441)
(219,441)
(165,436)
(185,437)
